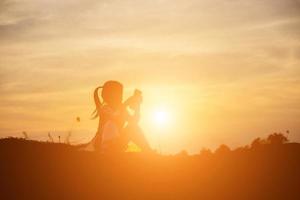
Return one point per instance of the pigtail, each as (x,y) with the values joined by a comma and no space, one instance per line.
(98,103)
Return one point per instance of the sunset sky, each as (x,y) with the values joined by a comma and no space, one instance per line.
(223,71)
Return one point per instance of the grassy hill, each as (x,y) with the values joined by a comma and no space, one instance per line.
(41,170)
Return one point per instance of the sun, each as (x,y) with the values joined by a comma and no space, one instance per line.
(161,117)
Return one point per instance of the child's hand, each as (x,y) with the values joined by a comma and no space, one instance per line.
(138,95)
(135,100)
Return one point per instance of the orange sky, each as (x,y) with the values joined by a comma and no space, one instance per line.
(227,71)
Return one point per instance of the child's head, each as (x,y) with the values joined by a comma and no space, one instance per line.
(112,93)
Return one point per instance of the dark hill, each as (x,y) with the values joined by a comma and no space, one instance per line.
(40,170)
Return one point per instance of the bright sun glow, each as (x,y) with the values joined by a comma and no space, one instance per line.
(161,117)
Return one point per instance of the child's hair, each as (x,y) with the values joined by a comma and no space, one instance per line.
(112,92)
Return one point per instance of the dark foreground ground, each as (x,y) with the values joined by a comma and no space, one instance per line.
(35,170)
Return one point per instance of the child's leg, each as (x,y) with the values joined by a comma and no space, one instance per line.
(135,134)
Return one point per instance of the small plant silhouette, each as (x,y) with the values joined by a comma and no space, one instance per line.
(277,138)
(223,149)
(257,142)
(205,152)
(50,137)
(69,134)
(25,135)
(67,140)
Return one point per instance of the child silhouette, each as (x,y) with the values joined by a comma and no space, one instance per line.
(116,126)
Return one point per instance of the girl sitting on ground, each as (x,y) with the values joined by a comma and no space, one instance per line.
(116,126)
